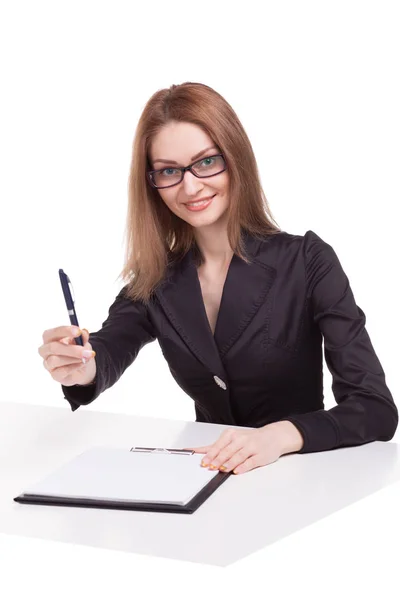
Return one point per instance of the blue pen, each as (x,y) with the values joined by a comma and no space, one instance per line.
(69,301)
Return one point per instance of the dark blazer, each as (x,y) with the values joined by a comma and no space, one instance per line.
(264,363)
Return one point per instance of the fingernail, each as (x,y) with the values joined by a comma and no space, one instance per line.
(76,331)
(88,354)
(203,464)
(213,467)
(85,330)
(222,468)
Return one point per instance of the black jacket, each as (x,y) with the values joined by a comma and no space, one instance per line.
(264,362)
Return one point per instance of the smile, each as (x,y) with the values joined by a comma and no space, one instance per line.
(197,206)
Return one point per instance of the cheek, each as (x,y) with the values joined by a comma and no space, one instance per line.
(223,187)
(169,202)
(224,184)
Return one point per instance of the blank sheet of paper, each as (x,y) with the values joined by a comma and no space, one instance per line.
(120,475)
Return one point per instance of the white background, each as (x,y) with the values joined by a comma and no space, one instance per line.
(315,85)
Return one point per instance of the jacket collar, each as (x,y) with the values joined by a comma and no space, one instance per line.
(246,288)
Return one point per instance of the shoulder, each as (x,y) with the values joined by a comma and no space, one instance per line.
(307,258)
(307,246)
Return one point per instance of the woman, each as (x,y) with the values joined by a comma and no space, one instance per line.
(238,306)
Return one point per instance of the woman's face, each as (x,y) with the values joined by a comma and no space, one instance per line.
(178,144)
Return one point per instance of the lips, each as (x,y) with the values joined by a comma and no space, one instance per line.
(198,200)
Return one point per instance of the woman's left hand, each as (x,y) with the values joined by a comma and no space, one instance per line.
(240,451)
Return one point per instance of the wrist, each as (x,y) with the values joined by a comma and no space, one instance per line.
(86,384)
(290,438)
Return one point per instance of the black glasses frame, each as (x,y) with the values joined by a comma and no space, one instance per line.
(150,174)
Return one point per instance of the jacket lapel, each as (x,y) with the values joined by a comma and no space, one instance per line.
(246,288)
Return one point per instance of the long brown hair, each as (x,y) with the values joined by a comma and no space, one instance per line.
(155,236)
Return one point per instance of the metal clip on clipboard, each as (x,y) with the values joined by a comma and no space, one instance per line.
(162,450)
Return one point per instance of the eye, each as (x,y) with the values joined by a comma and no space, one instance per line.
(207,164)
(164,171)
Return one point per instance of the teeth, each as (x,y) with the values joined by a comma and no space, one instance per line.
(198,203)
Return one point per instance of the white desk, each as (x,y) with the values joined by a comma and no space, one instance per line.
(246,514)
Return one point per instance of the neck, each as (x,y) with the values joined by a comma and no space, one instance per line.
(214,245)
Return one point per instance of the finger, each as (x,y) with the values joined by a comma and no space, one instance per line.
(67,340)
(250,463)
(61,349)
(54,362)
(226,454)
(233,458)
(199,449)
(57,333)
(72,340)
(225,439)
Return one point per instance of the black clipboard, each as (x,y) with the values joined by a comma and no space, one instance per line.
(188,508)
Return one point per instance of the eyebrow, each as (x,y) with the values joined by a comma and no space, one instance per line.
(173,162)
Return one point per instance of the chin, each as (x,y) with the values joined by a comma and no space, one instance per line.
(206,221)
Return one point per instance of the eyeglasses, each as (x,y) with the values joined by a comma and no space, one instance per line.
(205,167)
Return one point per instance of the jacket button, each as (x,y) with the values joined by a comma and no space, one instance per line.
(219,382)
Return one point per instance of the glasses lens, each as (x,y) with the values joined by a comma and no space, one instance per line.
(211,165)
(203,168)
(166,177)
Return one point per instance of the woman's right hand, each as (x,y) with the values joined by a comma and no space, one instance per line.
(62,356)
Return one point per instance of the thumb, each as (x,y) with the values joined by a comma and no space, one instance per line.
(85,336)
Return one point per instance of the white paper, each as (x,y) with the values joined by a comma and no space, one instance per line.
(121,475)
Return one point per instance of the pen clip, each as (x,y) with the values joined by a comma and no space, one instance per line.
(71,289)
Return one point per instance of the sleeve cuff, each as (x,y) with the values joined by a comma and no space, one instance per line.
(318,429)
(78,395)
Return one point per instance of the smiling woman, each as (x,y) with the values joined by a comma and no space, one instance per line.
(205,183)
(240,308)
(189,148)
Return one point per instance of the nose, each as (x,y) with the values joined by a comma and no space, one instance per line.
(191,184)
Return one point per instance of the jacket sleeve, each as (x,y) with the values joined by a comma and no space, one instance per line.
(365,409)
(125,331)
